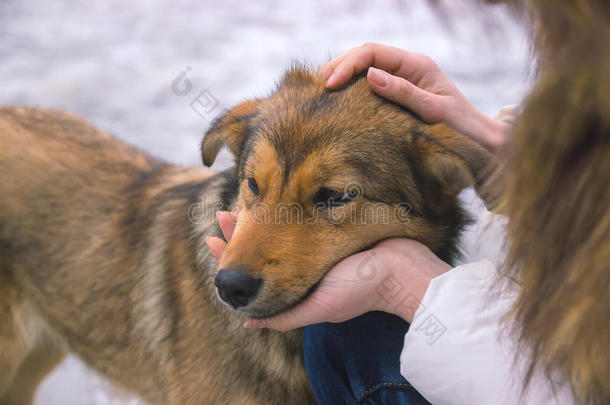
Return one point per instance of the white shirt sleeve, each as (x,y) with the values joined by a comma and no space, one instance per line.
(456,352)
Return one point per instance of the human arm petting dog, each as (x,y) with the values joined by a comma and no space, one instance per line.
(414,81)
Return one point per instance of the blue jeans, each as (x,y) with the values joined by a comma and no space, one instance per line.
(358,361)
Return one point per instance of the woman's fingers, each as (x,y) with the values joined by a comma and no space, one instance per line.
(410,65)
(216,246)
(227,220)
(283,322)
(305,313)
(428,106)
(342,68)
(329,67)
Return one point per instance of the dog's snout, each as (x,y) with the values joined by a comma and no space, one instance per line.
(236,287)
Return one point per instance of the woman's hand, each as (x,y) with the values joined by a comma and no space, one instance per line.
(392,277)
(414,81)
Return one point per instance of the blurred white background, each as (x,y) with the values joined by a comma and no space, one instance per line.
(114,62)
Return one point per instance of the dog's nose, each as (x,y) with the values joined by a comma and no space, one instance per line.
(236,288)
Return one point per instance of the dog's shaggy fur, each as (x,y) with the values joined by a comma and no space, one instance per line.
(102,247)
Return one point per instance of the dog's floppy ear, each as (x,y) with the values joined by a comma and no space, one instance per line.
(456,161)
(229,129)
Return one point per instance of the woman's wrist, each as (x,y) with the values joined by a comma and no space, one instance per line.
(489,132)
(406,281)
(406,302)
(495,134)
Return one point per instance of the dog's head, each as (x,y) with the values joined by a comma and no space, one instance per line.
(324,174)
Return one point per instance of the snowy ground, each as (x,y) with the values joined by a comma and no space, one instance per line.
(114,62)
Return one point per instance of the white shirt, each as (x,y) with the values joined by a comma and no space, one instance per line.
(458,349)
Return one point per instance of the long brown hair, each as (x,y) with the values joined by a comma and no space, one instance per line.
(555,188)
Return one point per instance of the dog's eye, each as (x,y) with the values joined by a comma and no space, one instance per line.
(253,186)
(331,197)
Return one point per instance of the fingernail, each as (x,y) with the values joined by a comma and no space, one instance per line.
(252,324)
(207,238)
(332,80)
(378,77)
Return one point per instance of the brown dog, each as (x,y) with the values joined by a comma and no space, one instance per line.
(101,253)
